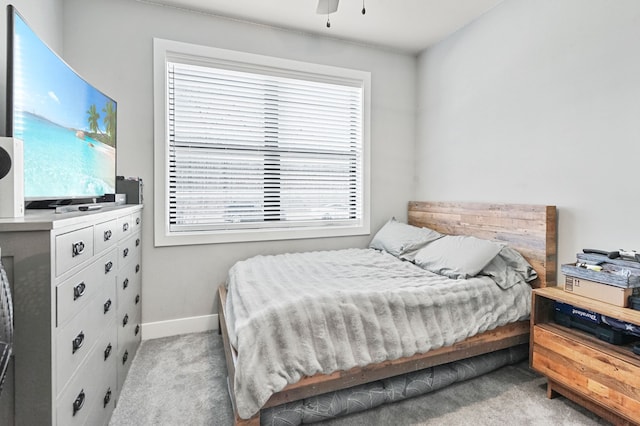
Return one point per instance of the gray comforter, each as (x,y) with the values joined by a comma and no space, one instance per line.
(296,315)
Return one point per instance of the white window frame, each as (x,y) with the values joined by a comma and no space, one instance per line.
(167,50)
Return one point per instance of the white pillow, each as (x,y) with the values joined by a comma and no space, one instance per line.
(402,240)
(509,268)
(457,256)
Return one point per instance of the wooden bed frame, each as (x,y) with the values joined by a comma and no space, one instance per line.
(530,229)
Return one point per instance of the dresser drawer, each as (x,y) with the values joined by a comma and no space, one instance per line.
(78,337)
(129,250)
(87,388)
(129,328)
(73,248)
(104,235)
(129,279)
(103,407)
(124,227)
(74,293)
(109,299)
(136,220)
(125,356)
(136,296)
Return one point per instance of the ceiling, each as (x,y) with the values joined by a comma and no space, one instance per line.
(406,25)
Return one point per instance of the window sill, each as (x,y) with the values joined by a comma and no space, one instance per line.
(163,239)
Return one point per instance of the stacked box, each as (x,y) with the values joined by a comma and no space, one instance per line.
(618,280)
(613,295)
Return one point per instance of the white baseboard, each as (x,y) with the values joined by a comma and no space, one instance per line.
(155,330)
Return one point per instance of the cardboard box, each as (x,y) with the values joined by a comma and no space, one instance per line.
(603,292)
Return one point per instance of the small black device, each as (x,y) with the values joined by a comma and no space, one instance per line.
(89,207)
(609,254)
(118,199)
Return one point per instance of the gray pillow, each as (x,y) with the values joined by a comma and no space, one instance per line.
(402,240)
(457,256)
(509,268)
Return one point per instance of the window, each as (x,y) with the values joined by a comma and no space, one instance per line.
(250,147)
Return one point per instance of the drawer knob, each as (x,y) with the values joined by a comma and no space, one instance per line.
(107,306)
(137,221)
(108,266)
(137,242)
(79,402)
(125,320)
(107,234)
(107,398)
(125,283)
(77,248)
(107,351)
(137,330)
(125,227)
(125,252)
(137,268)
(125,357)
(78,291)
(137,298)
(78,342)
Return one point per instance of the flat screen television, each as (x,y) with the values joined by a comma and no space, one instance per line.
(68,127)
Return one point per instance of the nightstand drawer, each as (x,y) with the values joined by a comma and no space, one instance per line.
(104,235)
(73,248)
(600,372)
(74,293)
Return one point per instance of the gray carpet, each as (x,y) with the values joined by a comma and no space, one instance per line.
(181,380)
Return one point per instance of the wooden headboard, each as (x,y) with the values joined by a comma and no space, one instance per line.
(530,229)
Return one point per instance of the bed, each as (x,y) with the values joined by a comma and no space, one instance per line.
(529,229)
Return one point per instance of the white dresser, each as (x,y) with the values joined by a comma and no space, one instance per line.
(77,297)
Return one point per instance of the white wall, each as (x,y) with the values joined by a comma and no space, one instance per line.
(539,102)
(45,18)
(109,42)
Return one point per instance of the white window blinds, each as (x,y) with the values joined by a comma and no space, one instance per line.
(253,150)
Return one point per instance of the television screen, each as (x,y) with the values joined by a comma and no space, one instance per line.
(67,126)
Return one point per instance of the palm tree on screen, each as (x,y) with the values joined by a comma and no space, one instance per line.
(93,118)
(109,119)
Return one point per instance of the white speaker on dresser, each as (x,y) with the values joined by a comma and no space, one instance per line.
(11,178)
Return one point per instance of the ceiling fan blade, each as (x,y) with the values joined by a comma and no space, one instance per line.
(326,7)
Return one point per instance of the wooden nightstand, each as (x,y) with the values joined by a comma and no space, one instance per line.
(602,377)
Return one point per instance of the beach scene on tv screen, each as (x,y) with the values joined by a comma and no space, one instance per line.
(68,127)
